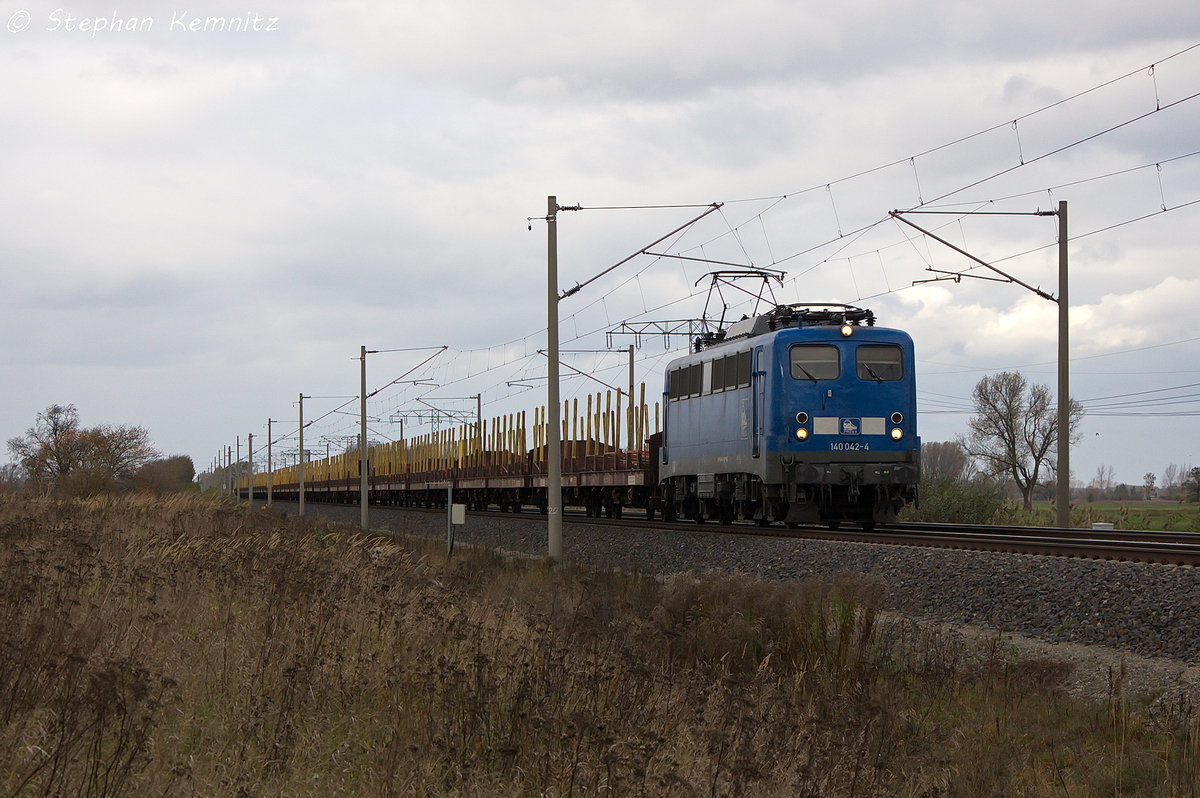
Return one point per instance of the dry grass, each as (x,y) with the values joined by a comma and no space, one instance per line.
(183,647)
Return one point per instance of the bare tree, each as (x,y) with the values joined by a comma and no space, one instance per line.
(1106,477)
(112,455)
(11,477)
(56,454)
(165,476)
(1014,429)
(1173,479)
(1170,478)
(52,448)
(1191,485)
(947,460)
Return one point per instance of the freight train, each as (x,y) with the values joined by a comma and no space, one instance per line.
(803,414)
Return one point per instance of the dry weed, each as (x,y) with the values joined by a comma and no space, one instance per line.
(180,646)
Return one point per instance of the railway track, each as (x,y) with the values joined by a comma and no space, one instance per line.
(1169,548)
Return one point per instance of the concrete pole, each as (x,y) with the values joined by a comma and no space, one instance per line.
(1063,488)
(270,465)
(631,411)
(300,456)
(250,468)
(237,480)
(554,440)
(362,441)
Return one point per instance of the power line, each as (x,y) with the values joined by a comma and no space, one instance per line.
(854,234)
(849,238)
(1143,393)
(999,126)
(1070,184)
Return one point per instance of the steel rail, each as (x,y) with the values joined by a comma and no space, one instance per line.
(1123,545)
(1167,548)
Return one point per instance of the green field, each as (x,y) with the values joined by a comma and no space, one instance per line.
(1154,514)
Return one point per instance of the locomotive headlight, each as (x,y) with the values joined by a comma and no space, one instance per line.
(847,330)
(897,434)
(801,434)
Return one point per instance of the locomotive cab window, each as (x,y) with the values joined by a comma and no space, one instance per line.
(880,363)
(815,362)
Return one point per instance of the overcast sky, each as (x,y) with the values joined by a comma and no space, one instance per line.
(198,224)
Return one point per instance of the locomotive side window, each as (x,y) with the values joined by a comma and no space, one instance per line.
(816,362)
(880,363)
(680,384)
(712,376)
(731,372)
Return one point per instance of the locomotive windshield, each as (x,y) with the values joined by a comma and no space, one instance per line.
(879,363)
(815,362)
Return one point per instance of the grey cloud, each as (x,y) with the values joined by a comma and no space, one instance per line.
(201,227)
(675,49)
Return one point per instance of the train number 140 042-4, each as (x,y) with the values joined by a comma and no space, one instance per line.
(842,446)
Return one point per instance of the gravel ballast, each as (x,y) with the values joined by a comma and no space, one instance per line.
(1147,609)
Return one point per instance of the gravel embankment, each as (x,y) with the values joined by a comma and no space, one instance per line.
(1151,610)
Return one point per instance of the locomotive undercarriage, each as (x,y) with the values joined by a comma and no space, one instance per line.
(725,498)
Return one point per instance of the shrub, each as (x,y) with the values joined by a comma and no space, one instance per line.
(949,501)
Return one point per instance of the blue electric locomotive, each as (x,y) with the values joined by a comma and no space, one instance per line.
(805,414)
